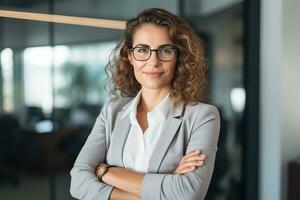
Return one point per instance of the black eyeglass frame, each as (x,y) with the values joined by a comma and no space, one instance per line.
(172,47)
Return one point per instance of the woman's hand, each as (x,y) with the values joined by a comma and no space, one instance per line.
(189,162)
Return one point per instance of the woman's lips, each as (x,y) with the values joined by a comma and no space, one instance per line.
(153,74)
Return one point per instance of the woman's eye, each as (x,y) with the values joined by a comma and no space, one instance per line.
(142,50)
(166,51)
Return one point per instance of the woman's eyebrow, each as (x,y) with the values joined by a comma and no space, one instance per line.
(142,45)
(166,45)
(146,45)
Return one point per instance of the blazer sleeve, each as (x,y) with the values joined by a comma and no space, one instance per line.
(84,183)
(193,185)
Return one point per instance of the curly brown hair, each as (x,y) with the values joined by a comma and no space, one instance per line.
(190,80)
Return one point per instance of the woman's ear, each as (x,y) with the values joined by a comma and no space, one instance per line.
(129,56)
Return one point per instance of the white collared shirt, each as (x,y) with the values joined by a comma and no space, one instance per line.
(139,146)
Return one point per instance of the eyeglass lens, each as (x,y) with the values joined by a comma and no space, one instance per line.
(165,53)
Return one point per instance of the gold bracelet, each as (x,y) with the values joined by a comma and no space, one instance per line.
(102,171)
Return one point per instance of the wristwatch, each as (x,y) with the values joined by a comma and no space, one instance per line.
(102,171)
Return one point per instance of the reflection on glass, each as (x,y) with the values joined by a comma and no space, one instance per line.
(7,80)
(79,79)
(78,76)
(238,98)
(37,77)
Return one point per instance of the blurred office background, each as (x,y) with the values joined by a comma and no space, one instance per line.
(52,81)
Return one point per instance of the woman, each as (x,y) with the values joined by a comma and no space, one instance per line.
(146,144)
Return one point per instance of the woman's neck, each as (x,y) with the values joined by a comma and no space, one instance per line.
(150,98)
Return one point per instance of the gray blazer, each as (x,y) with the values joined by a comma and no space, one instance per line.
(187,127)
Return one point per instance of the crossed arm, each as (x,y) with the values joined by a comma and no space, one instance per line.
(127,183)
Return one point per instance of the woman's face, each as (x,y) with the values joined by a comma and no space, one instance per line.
(152,73)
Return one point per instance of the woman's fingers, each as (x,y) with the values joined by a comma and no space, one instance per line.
(194,152)
(195,158)
(191,154)
(185,167)
(185,170)
(190,162)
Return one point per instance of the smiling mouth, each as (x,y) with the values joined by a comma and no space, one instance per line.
(153,74)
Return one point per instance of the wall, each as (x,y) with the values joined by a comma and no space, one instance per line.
(280,94)
(270,99)
(290,87)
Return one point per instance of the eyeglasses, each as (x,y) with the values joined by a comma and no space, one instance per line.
(164,53)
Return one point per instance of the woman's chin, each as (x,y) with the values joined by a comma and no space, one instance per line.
(155,86)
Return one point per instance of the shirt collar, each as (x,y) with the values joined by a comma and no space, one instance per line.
(133,105)
(162,107)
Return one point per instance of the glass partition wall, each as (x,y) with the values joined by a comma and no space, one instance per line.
(51,105)
(23,148)
(52,89)
(222,33)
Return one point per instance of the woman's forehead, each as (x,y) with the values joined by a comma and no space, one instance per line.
(151,35)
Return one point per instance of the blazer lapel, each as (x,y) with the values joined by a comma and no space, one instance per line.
(119,136)
(170,129)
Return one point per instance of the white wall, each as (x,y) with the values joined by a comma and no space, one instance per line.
(280,94)
(270,100)
(290,86)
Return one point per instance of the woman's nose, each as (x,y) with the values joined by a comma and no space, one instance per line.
(154,60)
